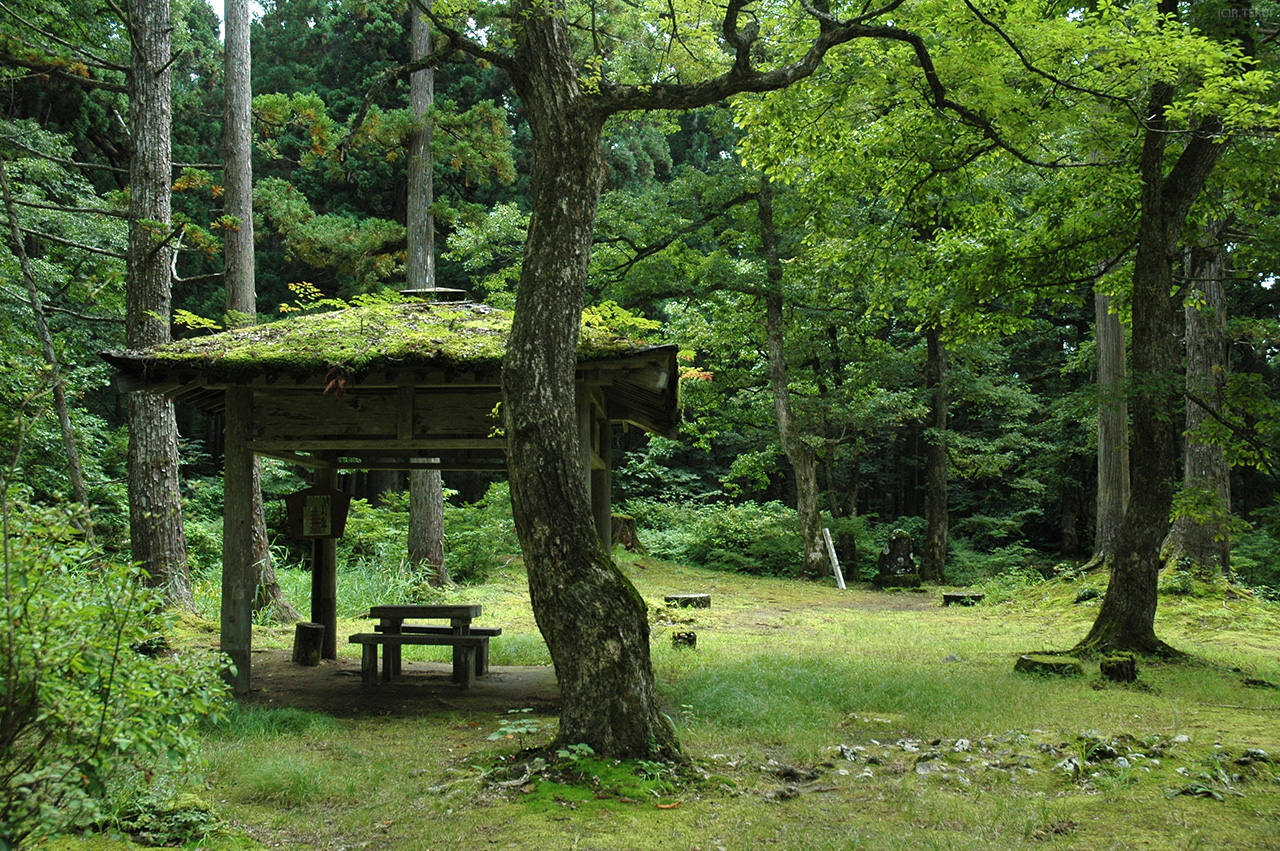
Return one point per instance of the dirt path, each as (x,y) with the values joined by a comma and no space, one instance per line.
(333,688)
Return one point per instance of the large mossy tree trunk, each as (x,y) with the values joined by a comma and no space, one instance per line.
(155,501)
(594,621)
(933,556)
(1126,620)
(801,455)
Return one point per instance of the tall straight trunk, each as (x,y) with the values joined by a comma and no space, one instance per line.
(155,500)
(1113,428)
(426,489)
(74,469)
(238,276)
(1199,540)
(933,556)
(594,621)
(803,459)
(1126,619)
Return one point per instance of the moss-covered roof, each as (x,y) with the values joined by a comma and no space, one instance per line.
(360,340)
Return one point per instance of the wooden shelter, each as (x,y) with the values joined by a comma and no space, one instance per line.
(381,386)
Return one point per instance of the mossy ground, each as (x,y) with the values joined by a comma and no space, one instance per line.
(813,718)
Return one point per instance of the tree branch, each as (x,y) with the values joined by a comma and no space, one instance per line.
(102,211)
(71,244)
(1240,431)
(76,49)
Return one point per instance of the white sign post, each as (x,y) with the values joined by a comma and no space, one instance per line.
(831,553)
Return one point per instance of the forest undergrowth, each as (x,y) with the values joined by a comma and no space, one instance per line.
(812,718)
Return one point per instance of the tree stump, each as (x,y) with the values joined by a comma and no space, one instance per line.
(1120,668)
(308,638)
(1060,666)
(624,532)
(688,601)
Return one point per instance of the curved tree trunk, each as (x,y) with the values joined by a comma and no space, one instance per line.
(804,461)
(1198,540)
(594,621)
(933,557)
(1113,429)
(155,501)
(238,277)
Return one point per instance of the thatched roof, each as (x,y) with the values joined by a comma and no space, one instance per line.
(383,345)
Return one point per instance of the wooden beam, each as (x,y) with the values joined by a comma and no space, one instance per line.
(237,540)
(408,448)
(324,575)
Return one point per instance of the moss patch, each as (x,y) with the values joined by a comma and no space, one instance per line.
(373,336)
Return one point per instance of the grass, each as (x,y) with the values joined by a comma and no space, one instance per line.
(814,719)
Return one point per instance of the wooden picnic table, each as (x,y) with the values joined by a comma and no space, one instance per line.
(397,626)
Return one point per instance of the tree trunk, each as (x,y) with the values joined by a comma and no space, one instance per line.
(933,556)
(804,461)
(155,501)
(1113,429)
(426,489)
(74,469)
(1126,620)
(594,621)
(1199,539)
(426,526)
(238,276)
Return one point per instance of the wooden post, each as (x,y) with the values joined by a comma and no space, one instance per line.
(236,638)
(602,484)
(598,482)
(831,554)
(324,578)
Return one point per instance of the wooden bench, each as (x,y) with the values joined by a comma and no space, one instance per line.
(482,655)
(466,649)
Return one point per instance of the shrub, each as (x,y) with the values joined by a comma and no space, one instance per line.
(1255,560)
(745,538)
(83,714)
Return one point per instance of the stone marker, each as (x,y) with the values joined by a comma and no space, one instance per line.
(896,566)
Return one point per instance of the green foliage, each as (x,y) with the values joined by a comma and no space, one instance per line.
(997,573)
(1255,561)
(257,722)
(477,535)
(745,538)
(87,720)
